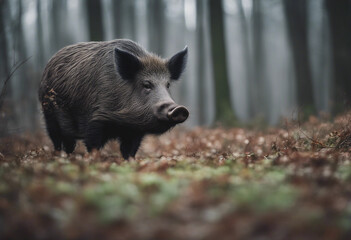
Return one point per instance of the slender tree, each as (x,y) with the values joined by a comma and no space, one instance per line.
(259,75)
(40,42)
(224,111)
(200,35)
(247,56)
(156,25)
(339,14)
(57,28)
(296,19)
(23,86)
(117,18)
(95,20)
(131,19)
(4,68)
(124,19)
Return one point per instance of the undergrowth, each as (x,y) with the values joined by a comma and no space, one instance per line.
(276,183)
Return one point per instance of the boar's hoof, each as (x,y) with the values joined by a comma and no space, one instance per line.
(178,114)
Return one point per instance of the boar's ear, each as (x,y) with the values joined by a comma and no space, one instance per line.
(127,64)
(177,63)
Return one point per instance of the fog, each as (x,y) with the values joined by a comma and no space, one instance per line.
(280,57)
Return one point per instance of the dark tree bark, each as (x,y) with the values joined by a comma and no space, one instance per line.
(296,19)
(200,35)
(259,78)
(4,66)
(117,18)
(224,111)
(4,71)
(339,13)
(40,41)
(57,35)
(95,20)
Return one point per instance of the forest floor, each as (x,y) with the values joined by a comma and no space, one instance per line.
(291,182)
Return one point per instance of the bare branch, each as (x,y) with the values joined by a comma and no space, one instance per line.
(15,67)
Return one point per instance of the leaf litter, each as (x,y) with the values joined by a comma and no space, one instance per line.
(288,182)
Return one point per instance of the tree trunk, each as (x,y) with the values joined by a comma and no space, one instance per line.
(339,13)
(40,41)
(156,23)
(296,19)
(259,75)
(4,66)
(131,20)
(117,16)
(224,111)
(23,85)
(56,31)
(200,34)
(4,72)
(95,20)
(247,56)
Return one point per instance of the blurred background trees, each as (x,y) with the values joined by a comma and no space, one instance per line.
(223,109)
(248,59)
(296,15)
(339,17)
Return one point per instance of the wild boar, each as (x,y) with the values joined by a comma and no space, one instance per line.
(101,91)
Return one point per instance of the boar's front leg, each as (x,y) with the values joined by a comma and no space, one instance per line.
(69,144)
(95,137)
(130,145)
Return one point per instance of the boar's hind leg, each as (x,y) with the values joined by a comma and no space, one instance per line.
(130,145)
(53,129)
(95,137)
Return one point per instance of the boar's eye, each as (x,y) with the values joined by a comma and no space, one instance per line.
(168,85)
(147,85)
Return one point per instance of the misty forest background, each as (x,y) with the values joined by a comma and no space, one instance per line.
(249,60)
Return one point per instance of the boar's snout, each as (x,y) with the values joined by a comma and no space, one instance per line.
(171,112)
(178,114)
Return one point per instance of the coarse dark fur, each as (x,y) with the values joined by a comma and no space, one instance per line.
(94,91)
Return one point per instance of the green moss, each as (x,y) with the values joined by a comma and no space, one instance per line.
(3,187)
(343,172)
(65,188)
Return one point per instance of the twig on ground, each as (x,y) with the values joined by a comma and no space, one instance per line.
(314,141)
